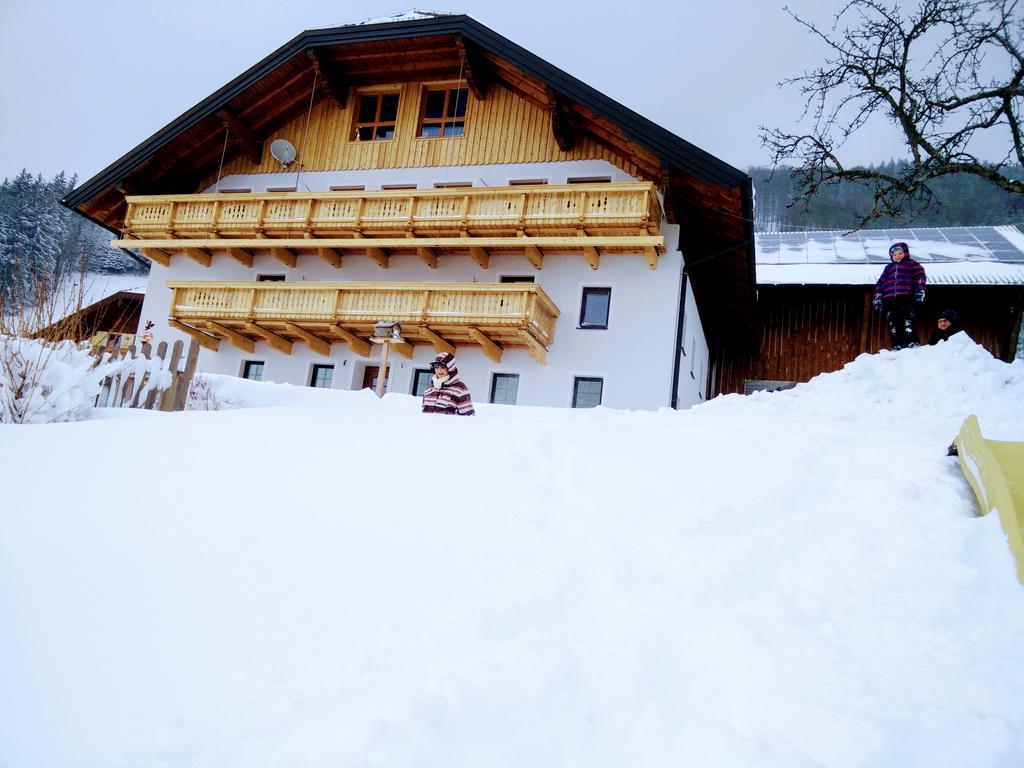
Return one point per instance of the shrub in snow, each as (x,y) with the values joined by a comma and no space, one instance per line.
(43,382)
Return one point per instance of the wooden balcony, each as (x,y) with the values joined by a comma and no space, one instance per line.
(492,317)
(587,219)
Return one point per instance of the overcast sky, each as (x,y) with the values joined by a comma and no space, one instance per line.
(83,82)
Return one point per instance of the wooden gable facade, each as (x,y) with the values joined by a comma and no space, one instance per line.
(520,109)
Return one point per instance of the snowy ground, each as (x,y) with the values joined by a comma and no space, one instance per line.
(793,579)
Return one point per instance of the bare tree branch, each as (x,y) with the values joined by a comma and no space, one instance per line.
(947,75)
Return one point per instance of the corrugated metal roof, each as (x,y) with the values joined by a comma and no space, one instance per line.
(950,255)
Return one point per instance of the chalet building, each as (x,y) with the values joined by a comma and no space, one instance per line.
(569,251)
(815,291)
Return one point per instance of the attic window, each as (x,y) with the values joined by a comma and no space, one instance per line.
(377,117)
(443,112)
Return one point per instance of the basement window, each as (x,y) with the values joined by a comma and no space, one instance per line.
(322,376)
(377,117)
(252,370)
(587,392)
(421,380)
(443,112)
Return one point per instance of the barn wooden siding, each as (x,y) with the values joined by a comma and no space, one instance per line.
(503,128)
(807,330)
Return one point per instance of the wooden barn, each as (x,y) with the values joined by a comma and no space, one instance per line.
(815,291)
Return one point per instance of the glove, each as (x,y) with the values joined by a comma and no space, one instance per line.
(919,296)
(877,303)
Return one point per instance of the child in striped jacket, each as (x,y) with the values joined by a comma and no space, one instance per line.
(899,290)
(447,393)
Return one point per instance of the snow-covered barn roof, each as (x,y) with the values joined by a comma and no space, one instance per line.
(950,255)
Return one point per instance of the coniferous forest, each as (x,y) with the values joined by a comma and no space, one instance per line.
(959,201)
(41,239)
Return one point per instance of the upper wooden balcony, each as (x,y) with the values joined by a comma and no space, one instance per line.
(445,315)
(587,219)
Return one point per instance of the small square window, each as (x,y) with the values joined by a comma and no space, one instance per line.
(594,308)
(376,117)
(421,380)
(322,376)
(444,112)
(505,388)
(252,370)
(587,392)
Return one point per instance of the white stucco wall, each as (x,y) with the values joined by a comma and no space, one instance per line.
(634,355)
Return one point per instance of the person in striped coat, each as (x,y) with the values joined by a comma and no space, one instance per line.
(447,393)
(899,290)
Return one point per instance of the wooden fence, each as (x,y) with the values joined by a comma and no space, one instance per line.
(157,382)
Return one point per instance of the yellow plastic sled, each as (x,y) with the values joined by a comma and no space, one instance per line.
(995,470)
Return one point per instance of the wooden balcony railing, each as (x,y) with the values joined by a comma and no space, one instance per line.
(445,315)
(580,218)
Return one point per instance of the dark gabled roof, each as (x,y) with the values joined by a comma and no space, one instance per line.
(714,199)
(672,149)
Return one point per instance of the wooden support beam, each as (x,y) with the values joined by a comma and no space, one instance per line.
(405,350)
(535,348)
(478,72)
(536,257)
(480,256)
(277,342)
(652,257)
(440,343)
(199,256)
(357,344)
(314,342)
(157,255)
(284,255)
(592,257)
(328,79)
(378,255)
(241,255)
(205,340)
(428,256)
(561,125)
(239,340)
(252,145)
(330,255)
(492,350)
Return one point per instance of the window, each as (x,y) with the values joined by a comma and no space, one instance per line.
(586,392)
(453,184)
(443,112)
(252,370)
(239,191)
(421,380)
(516,279)
(398,186)
(523,182)
(269,278)
(349,188)
(594,308)
(377,117)
(589,180)
(280,189)
(766,385)
(505,388)
(322,376)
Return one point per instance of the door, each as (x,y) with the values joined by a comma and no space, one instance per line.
(370,377)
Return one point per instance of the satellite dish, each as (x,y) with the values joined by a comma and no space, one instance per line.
(283,151)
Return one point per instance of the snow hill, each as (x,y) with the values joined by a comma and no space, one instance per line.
(791,579)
